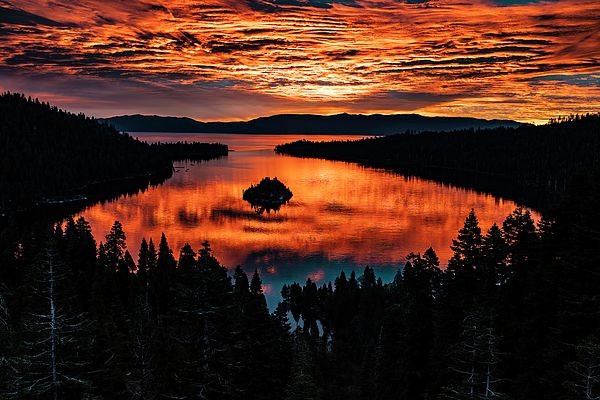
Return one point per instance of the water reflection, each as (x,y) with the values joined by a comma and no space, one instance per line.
(342,216)
(261,208)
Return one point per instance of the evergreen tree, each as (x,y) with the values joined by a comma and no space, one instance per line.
(141,383)
(467,250)
(79,254)
(584,382)
(527,305)
(262,356)
(152,277)
(142,266)
(115,245)
(391,368)
(152,258)
(475,360)
(165,268)
(310,309)
(125,269)
(520,236)
(295,301)
(51,361)
(182,341)
(461,287)
(187,258)
(494,269)
(4,342)
(241,288)
(405,344)
(302,384)
(282,346)
(214,307)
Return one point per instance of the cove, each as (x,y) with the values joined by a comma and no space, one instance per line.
(342,216)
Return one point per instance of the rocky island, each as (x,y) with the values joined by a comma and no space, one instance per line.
(268,195)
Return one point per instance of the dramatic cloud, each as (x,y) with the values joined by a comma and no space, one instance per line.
(226,59)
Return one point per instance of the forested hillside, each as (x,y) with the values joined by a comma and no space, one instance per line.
(528,163)
(45,151)
(514,316)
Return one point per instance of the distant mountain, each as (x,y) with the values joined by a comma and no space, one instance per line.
(375,124)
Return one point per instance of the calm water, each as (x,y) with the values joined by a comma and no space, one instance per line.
(342,216)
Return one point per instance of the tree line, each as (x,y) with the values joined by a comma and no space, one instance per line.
(532,164)
(46,152)
(515,315)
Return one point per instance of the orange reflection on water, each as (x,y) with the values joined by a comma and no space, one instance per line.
(341,215)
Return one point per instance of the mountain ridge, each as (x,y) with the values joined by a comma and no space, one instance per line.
(343,123)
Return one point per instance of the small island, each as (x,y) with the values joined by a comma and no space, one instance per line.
(269,194)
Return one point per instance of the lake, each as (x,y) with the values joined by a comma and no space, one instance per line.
(342,216)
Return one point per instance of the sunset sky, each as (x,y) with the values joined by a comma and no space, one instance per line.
(239,59)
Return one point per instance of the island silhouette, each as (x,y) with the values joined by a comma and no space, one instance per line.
(269,194)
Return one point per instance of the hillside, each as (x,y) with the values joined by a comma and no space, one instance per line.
(348,124)
(47,152)
(530,163)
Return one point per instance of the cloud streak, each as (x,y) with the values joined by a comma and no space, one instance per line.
(528,61)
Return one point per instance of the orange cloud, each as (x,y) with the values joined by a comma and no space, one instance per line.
(481,58)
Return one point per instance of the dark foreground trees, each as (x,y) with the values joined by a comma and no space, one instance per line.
(513,316)
(53,346)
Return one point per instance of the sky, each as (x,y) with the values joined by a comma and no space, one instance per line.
(240,59)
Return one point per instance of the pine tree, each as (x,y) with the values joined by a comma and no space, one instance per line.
(261,354)
(152,258)
(143,275)
(302,384)
(295,301)
(142,265)
(212,310)
(406,335)
(310,309)
(183,342)
(165,268)
(370,313)
(528,305)
(241,289)
(152,277)
(390,379)
(495,253)
(475,360)
(461,286)
(125,269)
(101,294)
(141,372)
(115,245)
(3,309)
(110,315)
(520,236)
(4,341)
(467,248)
(584,371)
(80,256)
(342,316)
(187,257)
(51,361)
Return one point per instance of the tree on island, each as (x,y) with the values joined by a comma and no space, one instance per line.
(269,194)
